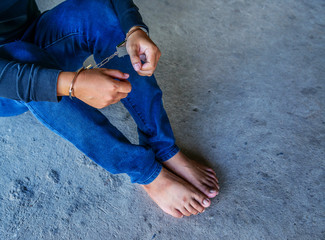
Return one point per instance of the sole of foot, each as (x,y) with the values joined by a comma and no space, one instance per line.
(200,176)
(175,196)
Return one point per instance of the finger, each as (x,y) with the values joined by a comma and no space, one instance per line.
(153,55)
(118,97)
(145,73)
(116,73)
(121,96)
(149,66)
(151,62)
(123,86)
(143,58)
(134,56)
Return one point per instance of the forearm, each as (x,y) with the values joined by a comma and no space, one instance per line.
(27,82)
(128,14)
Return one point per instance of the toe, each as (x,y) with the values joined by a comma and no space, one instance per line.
(191,209)
(209,189)
(203,200)
(213,176)
(212,183)
(197,206)
(185,212)
(213,193)
(175,213)
(210,170)
(206,202)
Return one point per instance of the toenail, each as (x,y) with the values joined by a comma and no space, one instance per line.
(206,201)
(212,191)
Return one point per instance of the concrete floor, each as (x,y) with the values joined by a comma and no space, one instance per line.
(243,84)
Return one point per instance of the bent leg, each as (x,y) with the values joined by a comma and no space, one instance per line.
(87,128)
(145,105)
(73,32)
(95,136)
(9,108)
(69,42)
(75,29)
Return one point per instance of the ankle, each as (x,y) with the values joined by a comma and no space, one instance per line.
(156,180)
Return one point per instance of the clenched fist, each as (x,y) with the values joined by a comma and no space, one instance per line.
(141,47)
(98,87)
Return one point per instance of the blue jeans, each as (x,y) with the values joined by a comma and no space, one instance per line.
(62,38)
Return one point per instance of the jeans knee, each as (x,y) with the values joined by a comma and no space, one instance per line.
(96,12)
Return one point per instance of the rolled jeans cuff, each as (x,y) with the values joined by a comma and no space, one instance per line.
(168,155)
(156,169)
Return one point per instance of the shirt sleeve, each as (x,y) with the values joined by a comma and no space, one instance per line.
(27,82)
(128,14)
(31,82)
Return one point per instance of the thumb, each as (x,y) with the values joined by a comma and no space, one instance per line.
(135,59)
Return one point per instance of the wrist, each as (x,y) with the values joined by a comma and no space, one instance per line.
(63,83)
(134,29)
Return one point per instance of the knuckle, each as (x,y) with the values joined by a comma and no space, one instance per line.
(154,49)
(114,87)
(108,99)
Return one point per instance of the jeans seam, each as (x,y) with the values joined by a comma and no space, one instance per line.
(62,38)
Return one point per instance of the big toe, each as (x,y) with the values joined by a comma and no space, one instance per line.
(209,189)
(203,201)
(212,193)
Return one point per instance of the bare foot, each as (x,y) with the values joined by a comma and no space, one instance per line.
(176,196)
(200,176)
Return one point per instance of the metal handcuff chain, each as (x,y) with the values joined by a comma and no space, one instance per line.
(120,52)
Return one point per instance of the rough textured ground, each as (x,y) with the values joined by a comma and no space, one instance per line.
(244,86)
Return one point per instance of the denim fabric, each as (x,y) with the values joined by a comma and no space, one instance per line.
(64,37)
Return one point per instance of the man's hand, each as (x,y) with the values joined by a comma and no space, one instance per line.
(96,87)
(140,46)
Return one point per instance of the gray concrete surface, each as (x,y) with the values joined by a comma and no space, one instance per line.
(244,85)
